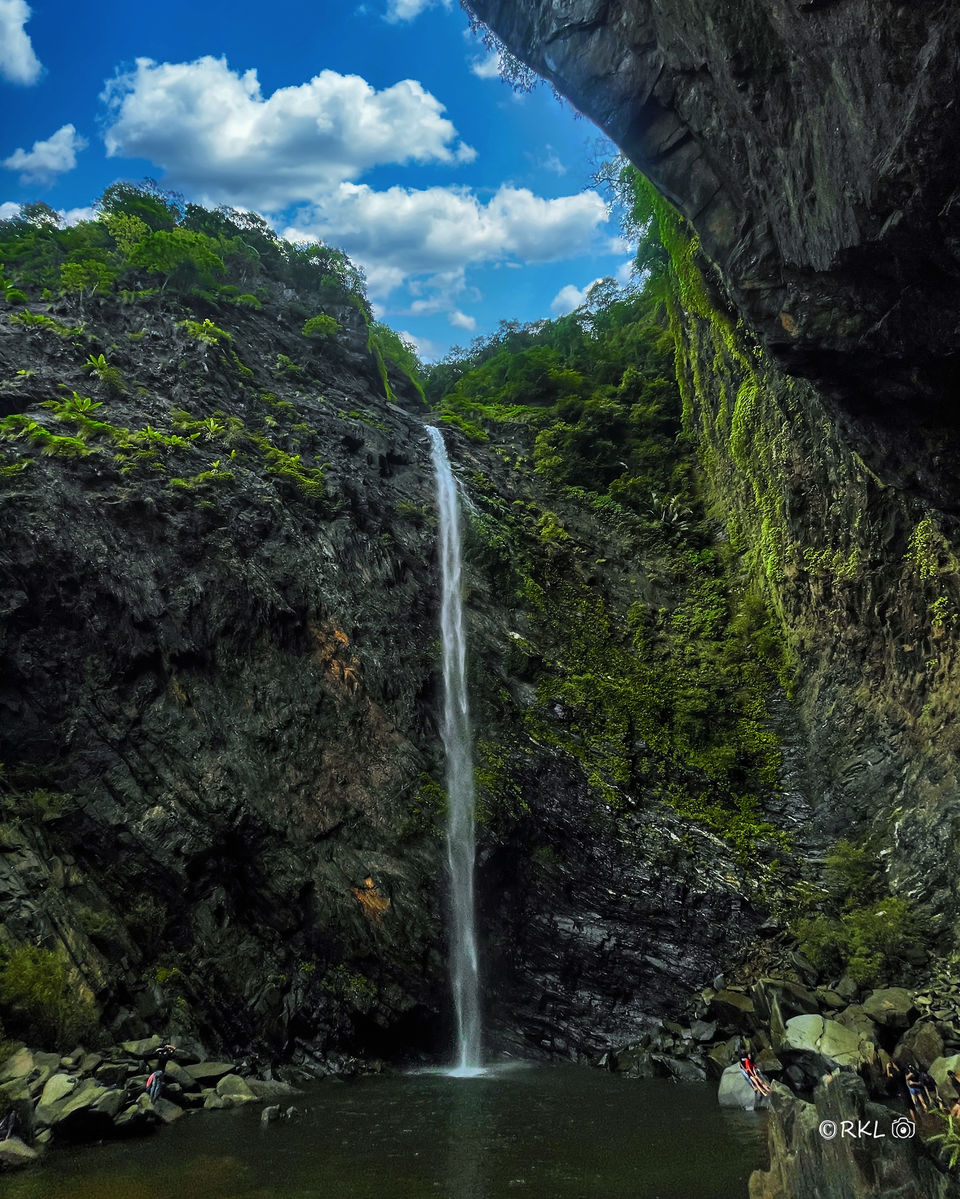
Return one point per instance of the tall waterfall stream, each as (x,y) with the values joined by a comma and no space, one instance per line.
(461,836)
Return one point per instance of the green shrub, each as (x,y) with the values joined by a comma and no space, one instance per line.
(110,376)
(320,326)
(205,331)
(948,1141)
(872,943)
(41,321)
(39,1000)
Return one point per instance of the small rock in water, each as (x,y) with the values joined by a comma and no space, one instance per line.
(270,1114)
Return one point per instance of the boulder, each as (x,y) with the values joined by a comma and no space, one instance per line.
(733,1008)
(791,998)
(891,1007)
(921,1044)
(90,1062)
(207,1072)
(815,1034)
(680,1068)
(723,1054)
(938,1071)
(14,1096)
(703,1030)
(146,1047)
(634,1062)
(18,1066)
(768,1062)
(736,1091)
(55,1091)
(855,1018)
(14,1153)
(137,1115)
(111,1074)
(846,988)
(86,1095)
(110,1103)
(233,1087)
(271,1088)
(178,1074)
(167,1111)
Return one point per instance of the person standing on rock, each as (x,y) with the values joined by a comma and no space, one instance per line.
(155,1081)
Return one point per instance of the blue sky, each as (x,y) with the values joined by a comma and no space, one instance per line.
(379,127)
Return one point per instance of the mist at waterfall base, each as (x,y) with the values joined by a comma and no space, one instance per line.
(461,802)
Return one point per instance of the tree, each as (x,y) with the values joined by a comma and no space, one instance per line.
(85,278)
(41,215)
(186,258)
(159,209)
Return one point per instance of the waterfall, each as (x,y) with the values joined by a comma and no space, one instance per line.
(461,836)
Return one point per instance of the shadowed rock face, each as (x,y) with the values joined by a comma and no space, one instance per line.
(813,146)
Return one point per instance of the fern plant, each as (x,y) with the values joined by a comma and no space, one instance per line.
(948,1141)
(110,376)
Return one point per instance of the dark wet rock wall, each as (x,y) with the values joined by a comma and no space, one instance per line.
(812,146)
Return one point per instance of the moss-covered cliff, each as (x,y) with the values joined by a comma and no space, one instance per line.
(221,807)
(772,128)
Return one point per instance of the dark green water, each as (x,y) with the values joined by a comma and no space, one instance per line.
(532,1132)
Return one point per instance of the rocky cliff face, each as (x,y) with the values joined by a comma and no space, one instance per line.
(809,144)
(812,146)
(220,701)
(212,744)
(864,1154)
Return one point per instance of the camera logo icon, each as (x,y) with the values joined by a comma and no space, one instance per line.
(903,1129)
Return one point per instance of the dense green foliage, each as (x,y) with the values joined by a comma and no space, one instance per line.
(850,927)
(39,1000)
(145,239)
(148,242)
(653,673)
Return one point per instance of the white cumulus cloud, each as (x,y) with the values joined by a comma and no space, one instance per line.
(212,130)
(400,233)
(570,297)
(408,10)
(426,349)
(461,320)
(486,68)
(73,216)
(49,158)
(8,210)
(625,272)
(18,63)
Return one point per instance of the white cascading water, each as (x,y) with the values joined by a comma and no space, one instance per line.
(461,835)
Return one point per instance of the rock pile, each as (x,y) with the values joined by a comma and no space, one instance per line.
(796,1034)
(91,1095)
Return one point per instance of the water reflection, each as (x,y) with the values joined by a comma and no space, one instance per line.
(465,1114)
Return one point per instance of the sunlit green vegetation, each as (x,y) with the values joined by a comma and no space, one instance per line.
(666,697)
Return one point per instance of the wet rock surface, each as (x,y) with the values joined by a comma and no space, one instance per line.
(74,1103)
(806,1164)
